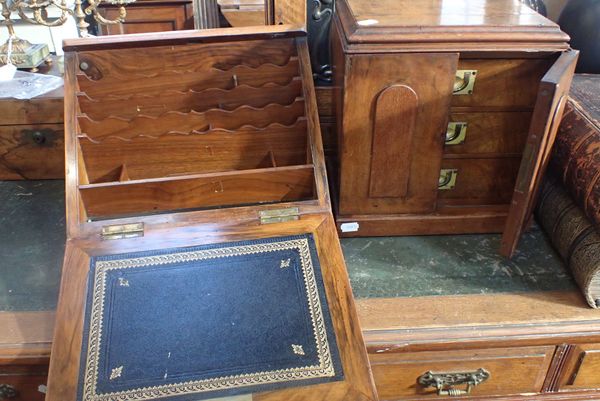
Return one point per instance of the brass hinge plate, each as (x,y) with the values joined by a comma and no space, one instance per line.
(122,231)
(279,215)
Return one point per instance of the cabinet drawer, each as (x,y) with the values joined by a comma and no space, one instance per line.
(511,371)
(582,370)
(32,152)
(480,181)
(487,133)
(22,382)
(507,83)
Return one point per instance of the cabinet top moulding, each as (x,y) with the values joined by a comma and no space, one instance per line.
(181,38)
(442,25)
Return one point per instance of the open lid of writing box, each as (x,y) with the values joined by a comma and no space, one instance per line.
(202,259)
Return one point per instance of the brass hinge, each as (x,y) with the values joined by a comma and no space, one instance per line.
(122,231)
(279,215)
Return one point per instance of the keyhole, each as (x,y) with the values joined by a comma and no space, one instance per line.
(39,138)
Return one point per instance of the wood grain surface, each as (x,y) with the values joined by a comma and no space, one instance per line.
(276,186)
(366,76)
(549,108)
(395,116)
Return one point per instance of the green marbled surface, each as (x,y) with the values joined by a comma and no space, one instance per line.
(451,265)
(32,236)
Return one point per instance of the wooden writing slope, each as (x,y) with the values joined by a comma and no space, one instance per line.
(446,113)
(191,139)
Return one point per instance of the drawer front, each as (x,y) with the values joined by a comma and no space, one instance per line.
(505,83)
(582,370)
(479,181)
(21,382)
(511,371)
(32,152)
(23,387)
(487,133)
(43,109)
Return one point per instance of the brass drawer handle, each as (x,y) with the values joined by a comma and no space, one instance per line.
(464,81)
(7,392)
(445,382)
(456,133)
(447,178)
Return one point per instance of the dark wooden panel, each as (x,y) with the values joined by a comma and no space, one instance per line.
(480,181)
(199,191)
(395,116)
(325,101)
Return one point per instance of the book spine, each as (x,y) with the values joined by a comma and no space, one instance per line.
(576,160)
(574,237)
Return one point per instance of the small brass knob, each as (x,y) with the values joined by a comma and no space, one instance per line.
(7,392)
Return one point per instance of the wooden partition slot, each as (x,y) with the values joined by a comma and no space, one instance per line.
(187,80)
(216,150)
(279,184)
(155,104)
(120,65)
(187,123)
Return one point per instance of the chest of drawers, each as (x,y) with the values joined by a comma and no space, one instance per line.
(436,105)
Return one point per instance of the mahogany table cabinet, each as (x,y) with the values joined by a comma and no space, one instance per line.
(446,112)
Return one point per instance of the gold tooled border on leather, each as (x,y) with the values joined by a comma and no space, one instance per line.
(324,369)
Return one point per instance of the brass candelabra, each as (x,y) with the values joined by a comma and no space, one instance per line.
(27,55)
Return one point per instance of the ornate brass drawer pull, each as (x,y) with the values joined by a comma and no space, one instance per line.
(464,81)
(447,178)
(7,392)
(445,382)
(456,133)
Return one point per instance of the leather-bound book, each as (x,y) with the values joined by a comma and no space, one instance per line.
(573,235)
(576,158)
